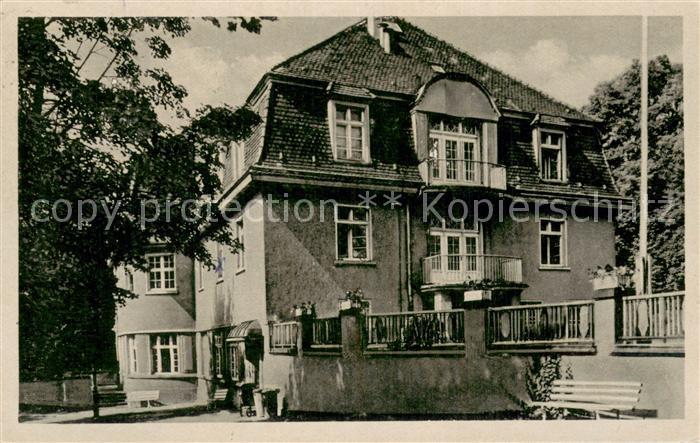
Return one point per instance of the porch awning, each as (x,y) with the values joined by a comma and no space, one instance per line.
(244,330)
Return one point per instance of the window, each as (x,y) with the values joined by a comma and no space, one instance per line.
(218,354)
(200,274)
(552,154)
(233,162)
(553,243)
(164,356)
(133,356)
(234,359)
(129,279)
(349,125)
(240,254)
(220,262)
(353,232)
(161,272)
(454,245)
(454,149)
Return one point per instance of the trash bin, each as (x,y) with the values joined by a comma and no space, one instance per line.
(258,401)
(270,401)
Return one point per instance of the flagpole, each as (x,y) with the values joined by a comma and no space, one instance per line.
(643,166)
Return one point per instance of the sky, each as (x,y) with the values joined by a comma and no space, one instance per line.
(565,57)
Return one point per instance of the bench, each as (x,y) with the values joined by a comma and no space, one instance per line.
(602,398)
(142,396)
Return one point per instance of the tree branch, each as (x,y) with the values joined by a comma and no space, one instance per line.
(116,54)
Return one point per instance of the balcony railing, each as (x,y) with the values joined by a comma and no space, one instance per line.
(326,333)
(456,269)
(546,326)
(442,171)
(418,330)
(655,319)
(283,336)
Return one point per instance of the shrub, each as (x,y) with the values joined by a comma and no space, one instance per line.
(539,379)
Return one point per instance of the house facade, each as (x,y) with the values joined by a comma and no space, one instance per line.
(387,161)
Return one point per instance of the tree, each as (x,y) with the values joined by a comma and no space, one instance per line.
(89,132)
(617,104)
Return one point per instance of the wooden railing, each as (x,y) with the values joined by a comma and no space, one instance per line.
(283,336)
(326,333)
(451,269)
(415,330)
(541,326)
(653,319)
(442,171)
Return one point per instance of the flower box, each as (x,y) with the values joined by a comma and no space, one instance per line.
(607,281)
(477,295)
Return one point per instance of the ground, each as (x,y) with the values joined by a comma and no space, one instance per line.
(199,413)
(181,413)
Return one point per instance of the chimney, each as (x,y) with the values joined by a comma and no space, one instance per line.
(389,32)
(372,27)
(385,39)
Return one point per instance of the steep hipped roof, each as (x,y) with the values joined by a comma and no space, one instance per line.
(353,57)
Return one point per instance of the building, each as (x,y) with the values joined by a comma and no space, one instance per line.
(371,141)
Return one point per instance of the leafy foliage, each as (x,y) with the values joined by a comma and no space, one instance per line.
(89,129)
(617,104)
(542,371)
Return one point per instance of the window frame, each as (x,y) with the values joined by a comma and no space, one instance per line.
(174,351)
(461,138)
(218,350)
(162,270)
(239,231)
(132,349)
(129,276)
(369,256)
(234,358)
(365,125)
(563,249)
(462,233)
(220,268)
(539,146)
(200,275)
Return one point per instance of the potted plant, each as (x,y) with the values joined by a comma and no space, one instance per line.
(354,300)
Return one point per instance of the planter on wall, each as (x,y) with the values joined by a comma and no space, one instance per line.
(477,295)
(607,281)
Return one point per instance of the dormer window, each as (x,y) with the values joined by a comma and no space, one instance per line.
(454,149)
(551,152)
(349,125)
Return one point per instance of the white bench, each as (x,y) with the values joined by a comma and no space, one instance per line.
(603,398)
(141,396)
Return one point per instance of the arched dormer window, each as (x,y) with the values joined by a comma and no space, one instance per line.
(454,122)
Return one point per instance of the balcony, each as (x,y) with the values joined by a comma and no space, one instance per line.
(414,331)
(440,270)
(554,327)
(283,337)
(449,172)
(653,322)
